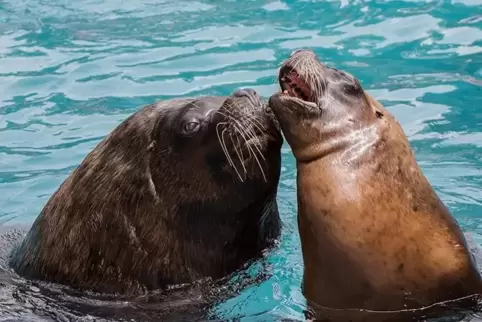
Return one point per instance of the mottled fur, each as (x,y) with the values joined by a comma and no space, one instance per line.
(375,236)
(149,207)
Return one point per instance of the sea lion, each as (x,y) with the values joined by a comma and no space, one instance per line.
(181,190)
(374,234)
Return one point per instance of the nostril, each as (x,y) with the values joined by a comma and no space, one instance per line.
(245,92)
(252,92)
(240,93)
(303,51)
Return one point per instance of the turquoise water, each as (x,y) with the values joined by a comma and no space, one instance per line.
(70,71)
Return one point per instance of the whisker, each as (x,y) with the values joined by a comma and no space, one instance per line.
(229,157)
(254,152)
(241,150)
(223,146)
(246,135)
(250,131)
(250,115)
(230,117)
(254,118)
(237,153)
(257,145)
(317,84)
(253,135)
(250,152)
(256,142)
(195,104)
(219,139)
(259,165)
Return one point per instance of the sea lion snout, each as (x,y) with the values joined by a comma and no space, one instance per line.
(294,52)
(249,92)
(253,99)
(305,77)
(254,115)
(302,51)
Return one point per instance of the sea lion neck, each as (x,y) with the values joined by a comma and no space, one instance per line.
(318,130)
(342,139)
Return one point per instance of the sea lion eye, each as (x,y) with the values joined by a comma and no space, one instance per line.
(353,88)
(191,126)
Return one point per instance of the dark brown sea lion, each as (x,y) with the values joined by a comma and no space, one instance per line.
(181,190)
(374,234)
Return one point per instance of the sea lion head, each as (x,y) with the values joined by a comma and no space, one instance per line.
(216,162)
(215,147)
(317,100)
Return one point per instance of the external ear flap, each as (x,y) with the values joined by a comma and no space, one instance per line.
(378,108)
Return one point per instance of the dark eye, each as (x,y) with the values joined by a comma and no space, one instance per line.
(353,88)
(190,127)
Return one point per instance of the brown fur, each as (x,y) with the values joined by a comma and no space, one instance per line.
(374,233)
(148,208)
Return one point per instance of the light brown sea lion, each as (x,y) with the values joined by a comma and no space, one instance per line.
(374,233)
(181,190)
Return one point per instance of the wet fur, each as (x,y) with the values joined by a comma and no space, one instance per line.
(375,236)
(23,300)
(141,213)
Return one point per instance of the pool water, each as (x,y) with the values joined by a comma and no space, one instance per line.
(70,71)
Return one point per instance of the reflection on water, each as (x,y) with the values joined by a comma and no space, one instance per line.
(71,71)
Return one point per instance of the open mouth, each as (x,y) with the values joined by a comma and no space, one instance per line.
(292,84)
